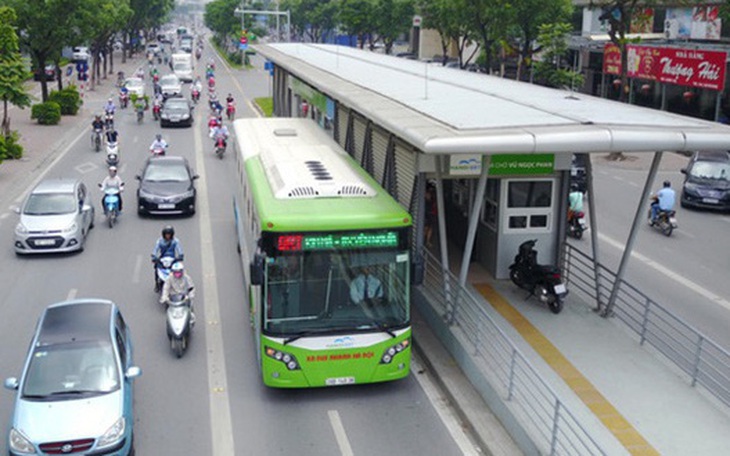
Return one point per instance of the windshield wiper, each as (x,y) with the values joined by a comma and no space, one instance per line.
(301,334)
(75,392)
(383,327)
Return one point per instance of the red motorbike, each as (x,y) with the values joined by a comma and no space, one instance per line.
(230,110)
(123,99)
(220,146)
(158,151)
(195,95)
(156,108)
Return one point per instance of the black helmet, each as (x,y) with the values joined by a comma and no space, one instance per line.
(573,187)
(667,184)
(168,229)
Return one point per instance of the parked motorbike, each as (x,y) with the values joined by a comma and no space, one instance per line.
(666,221)
(112,154)
(162,271)
(179,323)
(111,205)
(543,281)
(220,147)
(577,225)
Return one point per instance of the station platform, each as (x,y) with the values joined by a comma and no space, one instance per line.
(626,396)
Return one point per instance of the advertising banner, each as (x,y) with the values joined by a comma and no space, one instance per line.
(685,67)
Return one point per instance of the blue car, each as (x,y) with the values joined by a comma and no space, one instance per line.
(75,394)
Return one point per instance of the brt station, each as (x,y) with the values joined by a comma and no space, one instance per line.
(498,153)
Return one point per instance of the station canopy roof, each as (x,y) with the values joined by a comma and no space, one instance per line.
(444,110)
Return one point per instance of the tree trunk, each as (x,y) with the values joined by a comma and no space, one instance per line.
(111,59)
(6,120)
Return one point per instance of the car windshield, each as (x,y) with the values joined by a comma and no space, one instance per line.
(134,83)
(181,67)
(169,80)
(177,106)
(711,170)
(50,204)
(166,173)
(71,369)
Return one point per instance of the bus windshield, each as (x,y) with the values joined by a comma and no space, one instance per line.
(319,292)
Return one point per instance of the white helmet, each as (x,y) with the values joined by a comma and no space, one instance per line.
(177,269)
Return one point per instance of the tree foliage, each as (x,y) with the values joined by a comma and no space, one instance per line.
(356,18)
(490,20)
(550,71)
(13,72)
(220,18)
(392,19)
(529,15)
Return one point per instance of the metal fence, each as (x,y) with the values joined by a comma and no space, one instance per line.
(543,415)
(704,361)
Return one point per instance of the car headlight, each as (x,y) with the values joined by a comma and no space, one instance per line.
(71,228)
(188,194)
(21,229)
(19,443)
(148,196)
(186,116)
(113,434)
(164,116)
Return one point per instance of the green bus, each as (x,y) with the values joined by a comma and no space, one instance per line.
(326,259)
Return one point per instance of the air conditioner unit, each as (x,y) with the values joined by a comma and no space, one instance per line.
(671,29)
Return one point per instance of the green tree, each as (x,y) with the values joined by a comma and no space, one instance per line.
(392,19)
(101,20)
(47,26)
(220,18)
(553,40)
(356,18)
(12,69)
(529,16)
(147,15)
(490,21)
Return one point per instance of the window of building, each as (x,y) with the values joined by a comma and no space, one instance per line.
(528,205)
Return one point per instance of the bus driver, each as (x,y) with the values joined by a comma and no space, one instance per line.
(365,287)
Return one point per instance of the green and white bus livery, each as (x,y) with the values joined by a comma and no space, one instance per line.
(326,257)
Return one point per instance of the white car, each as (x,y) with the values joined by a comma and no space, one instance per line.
(135,86)
(155,48)
(80,54)
(183,71)
(170,85)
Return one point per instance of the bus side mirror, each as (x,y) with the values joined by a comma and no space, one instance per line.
(418,269)
(257,270)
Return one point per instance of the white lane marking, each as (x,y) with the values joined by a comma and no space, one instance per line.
(618,178)
(340,434)
(5,215)
(71,294)
(725,219)
(443,409)
(86,167)
(136,274)
(634,184)
(249,102)
(220,413)
(669,273)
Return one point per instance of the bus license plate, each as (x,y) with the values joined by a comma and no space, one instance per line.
(560,288)
(336,381)
(166,206)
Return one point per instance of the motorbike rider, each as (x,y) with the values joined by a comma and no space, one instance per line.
(220,132)
(112,136)
(179,282)
(123,94)
(166,246)
(112,181)
(109,107)
(158,143)
(97,123)
(663,201)
(575,200)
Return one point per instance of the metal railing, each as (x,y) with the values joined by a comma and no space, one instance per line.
(543,415)
(704,361)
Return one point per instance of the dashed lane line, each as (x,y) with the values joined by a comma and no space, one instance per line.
(342,441)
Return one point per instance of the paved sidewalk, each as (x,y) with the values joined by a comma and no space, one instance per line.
(42,144)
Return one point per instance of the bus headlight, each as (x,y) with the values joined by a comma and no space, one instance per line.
(390,352)
(289,360)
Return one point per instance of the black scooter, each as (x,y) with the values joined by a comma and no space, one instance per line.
(543,281)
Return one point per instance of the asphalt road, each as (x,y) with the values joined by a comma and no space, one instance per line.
(686,272)
(212,401)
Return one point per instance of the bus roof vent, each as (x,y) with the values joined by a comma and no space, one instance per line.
(313,172)
(285,132)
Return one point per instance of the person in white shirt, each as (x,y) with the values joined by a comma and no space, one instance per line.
(112,181)
(365,287)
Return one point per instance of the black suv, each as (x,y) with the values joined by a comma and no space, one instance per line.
(707,181)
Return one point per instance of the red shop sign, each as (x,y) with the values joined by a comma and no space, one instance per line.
(694,68)
(611,59)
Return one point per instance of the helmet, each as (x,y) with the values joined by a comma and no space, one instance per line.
(97,116)
(168,229)
(574,187)
(113,169)
(158,136)
(177,269)
(110,100)
(667,184)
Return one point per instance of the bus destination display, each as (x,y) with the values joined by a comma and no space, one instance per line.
(334,241)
